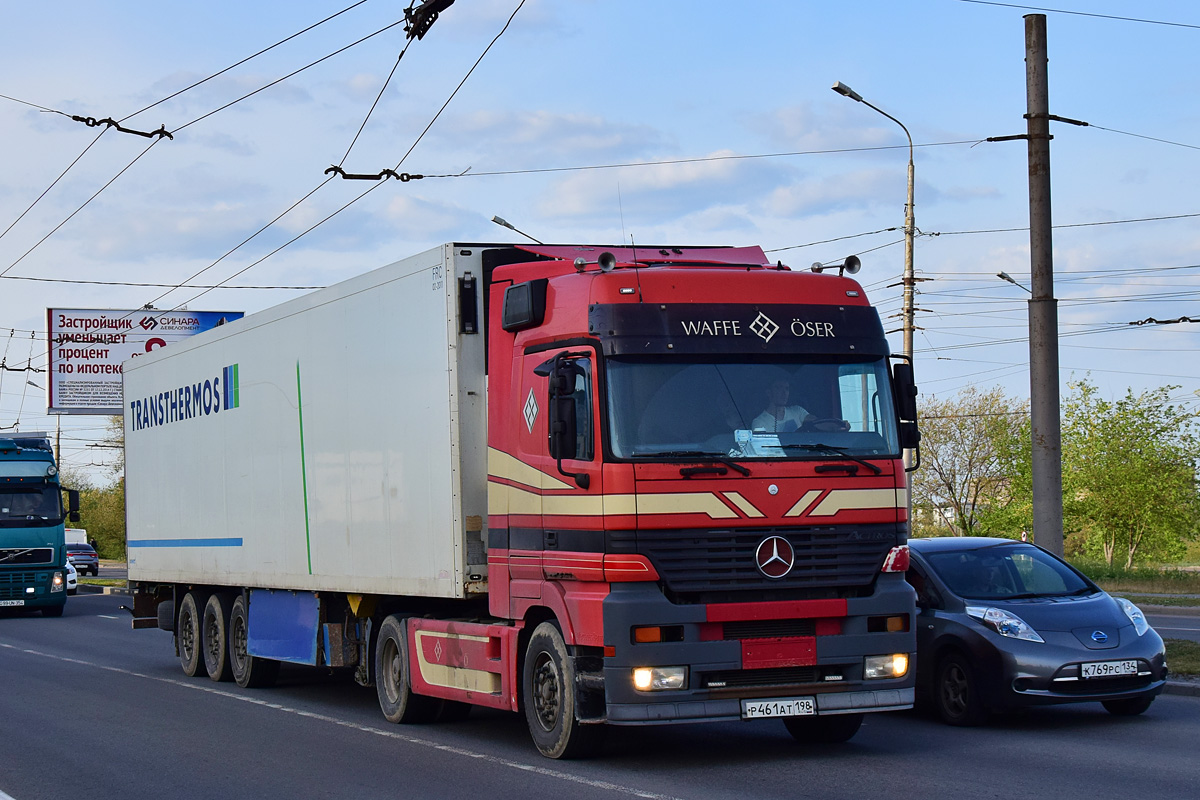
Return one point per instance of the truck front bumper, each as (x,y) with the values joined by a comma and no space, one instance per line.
(726,665)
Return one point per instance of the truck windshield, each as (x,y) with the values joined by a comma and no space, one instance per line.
(774,409)
(33,506)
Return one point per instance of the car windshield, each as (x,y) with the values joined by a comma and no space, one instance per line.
(779,408)
(1005,572)
(33,506)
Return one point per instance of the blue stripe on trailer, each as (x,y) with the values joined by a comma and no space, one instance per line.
(231,542)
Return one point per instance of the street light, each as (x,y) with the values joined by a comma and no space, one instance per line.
(909,221)
(1004,276)
(910,228)
(503,223)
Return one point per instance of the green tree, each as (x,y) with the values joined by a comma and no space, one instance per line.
(1129,474)
(962,474)
(102,507)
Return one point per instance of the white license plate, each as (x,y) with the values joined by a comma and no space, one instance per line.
(1108,669)
(779,707)
(12,602)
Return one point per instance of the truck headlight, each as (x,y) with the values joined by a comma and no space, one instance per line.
(657,679)
(56,583)
(890,666)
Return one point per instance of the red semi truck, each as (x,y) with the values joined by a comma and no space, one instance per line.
(593,484)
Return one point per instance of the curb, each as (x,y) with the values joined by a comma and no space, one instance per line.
(87,588)
(1170,611)
(1182,688)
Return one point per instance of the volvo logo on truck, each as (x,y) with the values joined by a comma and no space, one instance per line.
(199,399)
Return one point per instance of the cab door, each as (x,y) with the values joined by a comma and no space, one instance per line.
(559,441)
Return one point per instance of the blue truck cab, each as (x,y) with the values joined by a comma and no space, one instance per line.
(33,551)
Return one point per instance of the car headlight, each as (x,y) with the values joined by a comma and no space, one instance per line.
(1135,615)
(1004,623)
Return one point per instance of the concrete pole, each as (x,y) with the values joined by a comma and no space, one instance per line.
(1043,308)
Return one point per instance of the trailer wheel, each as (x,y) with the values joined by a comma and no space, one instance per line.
(187,635)
(249,672)
(214,628)
(392,683)
(548,689)
(824,730)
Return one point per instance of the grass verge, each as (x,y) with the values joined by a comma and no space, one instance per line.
(1141,579)
(103,581)
(1183,657)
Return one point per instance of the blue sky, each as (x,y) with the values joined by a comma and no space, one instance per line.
(578,83)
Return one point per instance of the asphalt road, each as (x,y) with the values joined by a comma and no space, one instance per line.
(89,706)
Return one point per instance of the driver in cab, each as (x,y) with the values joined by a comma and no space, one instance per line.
(779,417)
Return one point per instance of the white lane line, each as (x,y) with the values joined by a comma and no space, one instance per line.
(107,616)
(484,757)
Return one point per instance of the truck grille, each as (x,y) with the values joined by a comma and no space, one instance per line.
(839,558)
(780,678)
(12,584)
(24,555)
(769,629)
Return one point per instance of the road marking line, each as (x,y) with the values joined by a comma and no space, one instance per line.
(503,762)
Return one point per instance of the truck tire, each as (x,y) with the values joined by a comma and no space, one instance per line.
(214,627)
(53,611)
(548,694)
(833,729)
(392,682)
(187,635)
(249,672)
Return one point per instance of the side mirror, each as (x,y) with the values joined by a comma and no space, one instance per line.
(73,505)
(564,423)
(906,392)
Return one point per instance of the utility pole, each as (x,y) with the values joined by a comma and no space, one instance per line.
(1043,308)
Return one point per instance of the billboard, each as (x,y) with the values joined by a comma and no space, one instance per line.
(88,346)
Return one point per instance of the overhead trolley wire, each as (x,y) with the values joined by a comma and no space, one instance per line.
(370,189)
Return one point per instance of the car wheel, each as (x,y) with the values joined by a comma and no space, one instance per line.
(392,683)
(548,694)
(214,635)
(956,693)
(824,730)
(249,672)
(187,635)
(95,572)
(1129,707)
(71,592)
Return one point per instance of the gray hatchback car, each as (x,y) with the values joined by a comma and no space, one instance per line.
(1002,624)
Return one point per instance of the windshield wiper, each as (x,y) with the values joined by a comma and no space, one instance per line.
(828,448)
(699,455)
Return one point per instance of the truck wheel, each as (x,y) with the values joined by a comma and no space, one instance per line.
(956,693)
(833,729)
(249,672)
(187,635)
(392,683)
(214,628)
(548,694)
(53,611)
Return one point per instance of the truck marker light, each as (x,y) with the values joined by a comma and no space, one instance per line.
(647,635)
